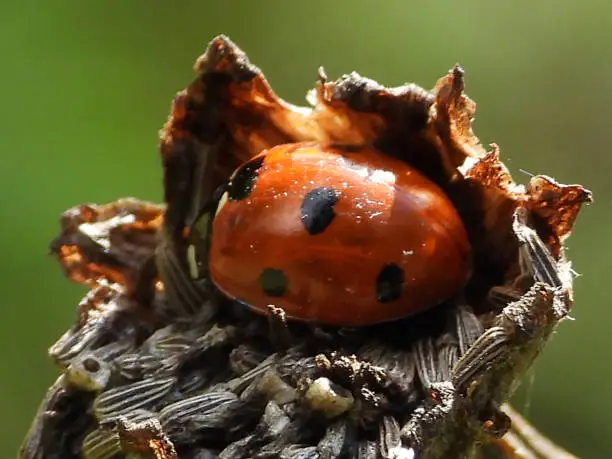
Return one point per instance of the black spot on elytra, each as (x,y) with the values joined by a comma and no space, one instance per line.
(241,184)
(389,283)
(317,211)
(273,282)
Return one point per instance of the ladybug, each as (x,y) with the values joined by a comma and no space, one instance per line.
(344,236)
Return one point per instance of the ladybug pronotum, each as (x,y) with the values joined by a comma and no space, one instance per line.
(336,236)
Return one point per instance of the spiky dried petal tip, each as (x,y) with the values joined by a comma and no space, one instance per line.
(158,365)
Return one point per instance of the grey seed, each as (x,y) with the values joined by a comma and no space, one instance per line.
(338,440)
(390,440)
(468,328)
(182,411)
(215,337)
(71,344)
(193,383)
(244,358)
(448,356)
(229,417)
(427,364)
(35,446)
(487,348)
(295,366)
(240,383)
(137,366)
(169,340)
(534,256)
(300,452)
(116,349)
(401,363)
(237,450)
(123,399)
(274,419)
(272,387)
(101,445)
(184,296)
(367,450)
(202,453)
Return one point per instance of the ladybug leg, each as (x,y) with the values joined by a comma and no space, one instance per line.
(280,335)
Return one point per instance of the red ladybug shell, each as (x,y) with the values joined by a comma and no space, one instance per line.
(344,237)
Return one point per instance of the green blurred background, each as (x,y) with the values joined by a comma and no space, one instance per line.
(85,87)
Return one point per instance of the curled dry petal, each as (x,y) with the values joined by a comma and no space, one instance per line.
(556,207)
(109,242)
(145,439)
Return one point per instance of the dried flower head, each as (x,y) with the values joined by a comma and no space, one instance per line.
(158,364)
